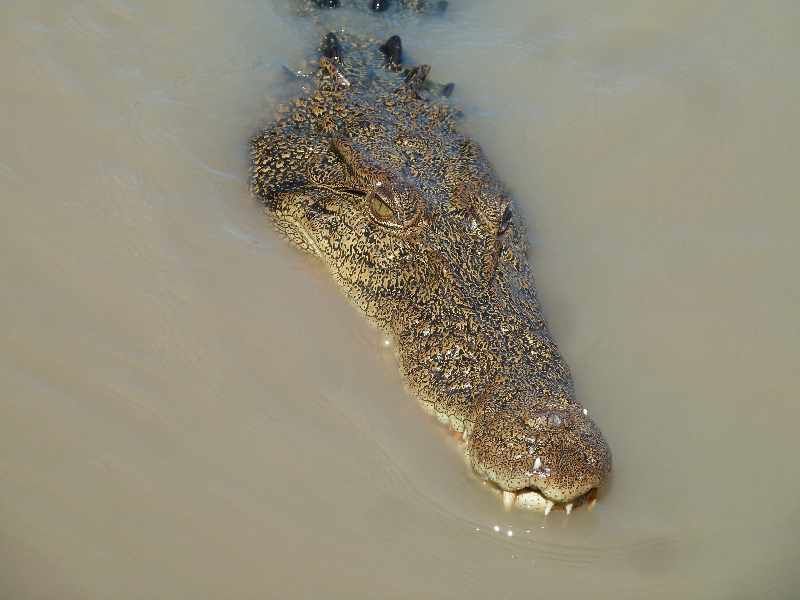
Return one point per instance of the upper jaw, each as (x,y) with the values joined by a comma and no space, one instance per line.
(533,499)
(543,495)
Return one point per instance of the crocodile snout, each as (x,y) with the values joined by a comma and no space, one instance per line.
(548,456)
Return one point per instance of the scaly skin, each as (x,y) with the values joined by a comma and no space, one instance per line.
(368,172)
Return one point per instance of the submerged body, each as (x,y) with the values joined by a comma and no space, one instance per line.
(367,171)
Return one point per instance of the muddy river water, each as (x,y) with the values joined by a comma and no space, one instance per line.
(190,409)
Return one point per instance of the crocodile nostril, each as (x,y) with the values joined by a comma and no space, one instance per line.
(545,420)
(554,420)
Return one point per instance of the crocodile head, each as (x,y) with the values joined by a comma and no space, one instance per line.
(368,172)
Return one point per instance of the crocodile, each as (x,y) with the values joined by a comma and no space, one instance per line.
(366,170)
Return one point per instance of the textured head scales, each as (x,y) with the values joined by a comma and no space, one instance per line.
(368,172)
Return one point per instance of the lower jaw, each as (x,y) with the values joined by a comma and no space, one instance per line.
(532,499)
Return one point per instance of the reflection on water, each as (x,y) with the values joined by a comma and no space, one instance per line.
(190,409)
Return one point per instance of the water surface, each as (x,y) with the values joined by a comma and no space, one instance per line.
(190,409)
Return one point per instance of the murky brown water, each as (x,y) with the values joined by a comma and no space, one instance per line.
(189,408)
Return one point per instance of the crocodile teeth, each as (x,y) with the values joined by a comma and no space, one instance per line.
(548,507)
(508,500)
(568,508)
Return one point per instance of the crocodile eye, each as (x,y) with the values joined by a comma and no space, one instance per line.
(505,220)
(379,209)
